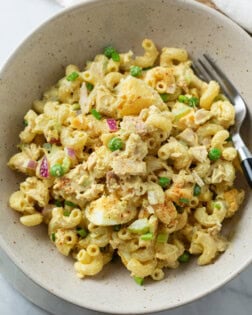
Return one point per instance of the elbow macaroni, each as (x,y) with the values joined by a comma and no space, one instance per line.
(119,163)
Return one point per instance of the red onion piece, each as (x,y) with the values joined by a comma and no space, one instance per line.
(71,153)
(112,124)
(32,164)
(54,141)
(44,168)
(47,209)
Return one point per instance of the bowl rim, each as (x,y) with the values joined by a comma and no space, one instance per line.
(91,3)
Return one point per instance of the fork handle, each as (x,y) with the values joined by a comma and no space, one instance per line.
(246,163)
(247,170)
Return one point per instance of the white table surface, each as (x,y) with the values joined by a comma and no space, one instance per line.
(17,19)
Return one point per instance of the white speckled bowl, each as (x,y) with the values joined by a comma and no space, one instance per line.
(74,36)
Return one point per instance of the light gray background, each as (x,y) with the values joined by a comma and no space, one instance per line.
(18,18)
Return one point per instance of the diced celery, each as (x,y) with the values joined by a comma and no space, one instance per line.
(162,237)
(147,237)
(140,226)
(139,280)
(181,112)
(153,224)
(66,164)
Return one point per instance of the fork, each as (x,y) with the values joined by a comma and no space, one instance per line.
(207,70)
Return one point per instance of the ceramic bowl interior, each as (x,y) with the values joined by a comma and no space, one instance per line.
(74,36)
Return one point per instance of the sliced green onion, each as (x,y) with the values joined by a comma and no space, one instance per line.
(196,190)
(139,280)
(229,138)
(89,86)
(140,226)
(178,208)
(81,232)
(96,114)
(73,76)
(147,237)
(184,258)
(25,122)
(183,99)
(70,204)
(117,228)
(57,170)
(76,106)
(184,200)
(58,203)
(193,101)
(53,236)
(214,154)
(66,213)
(115,56)
(164,96)
(164,181)
(147,68)
(115,144)
(162,237)
(135,71)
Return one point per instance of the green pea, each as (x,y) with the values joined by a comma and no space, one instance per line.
(108,51)
(184,258)
(136,71)
(115,144)
(115,56)
(214,154)
(89,86)
(57,170)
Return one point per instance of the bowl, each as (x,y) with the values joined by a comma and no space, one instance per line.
(74,36)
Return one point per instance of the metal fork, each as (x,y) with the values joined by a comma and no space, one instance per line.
(207,70)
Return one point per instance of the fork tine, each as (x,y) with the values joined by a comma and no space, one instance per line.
(213,76)
(200,71)
(222,75)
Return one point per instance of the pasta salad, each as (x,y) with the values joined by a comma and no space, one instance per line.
(131,156)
